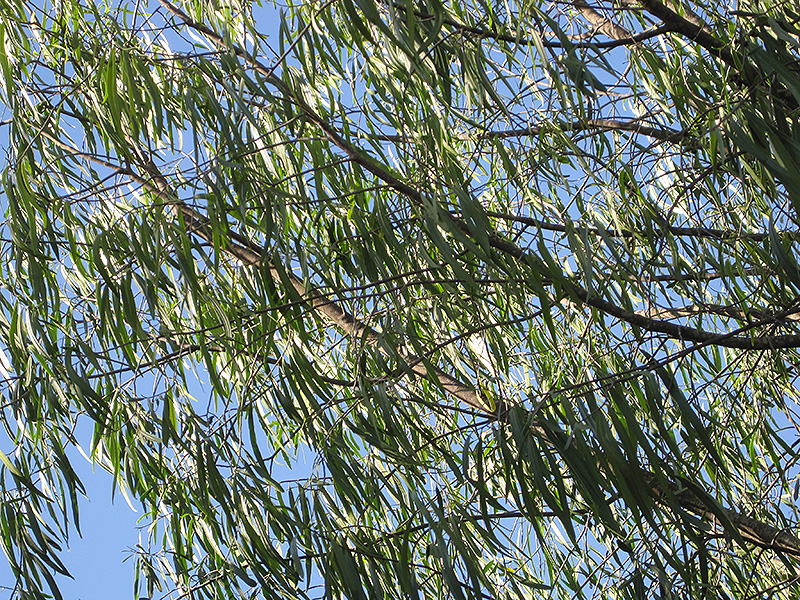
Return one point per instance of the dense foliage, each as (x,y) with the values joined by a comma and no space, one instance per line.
(494,299)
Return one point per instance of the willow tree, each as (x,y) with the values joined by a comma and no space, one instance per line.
(494,300)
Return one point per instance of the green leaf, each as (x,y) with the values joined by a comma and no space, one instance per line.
(9,465)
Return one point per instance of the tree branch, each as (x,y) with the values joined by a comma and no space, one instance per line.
(734,312)
(691,26)
(253,255)
(695,232)
(633,126)
(600,23)
(503,37)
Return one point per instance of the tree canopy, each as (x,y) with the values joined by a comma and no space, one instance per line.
(493,299)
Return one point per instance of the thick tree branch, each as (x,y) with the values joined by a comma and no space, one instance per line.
(512,39)
(691,26)
(688,25)
(693,232)
(253,255)
(591,125)
(600,23)
(734,312)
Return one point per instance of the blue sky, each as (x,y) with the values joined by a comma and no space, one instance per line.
(109,529)
(96,559)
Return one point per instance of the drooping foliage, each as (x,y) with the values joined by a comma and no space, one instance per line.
(491,299)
